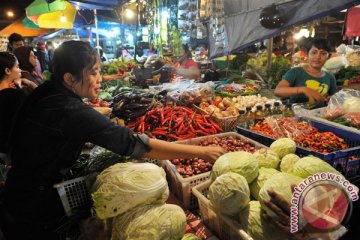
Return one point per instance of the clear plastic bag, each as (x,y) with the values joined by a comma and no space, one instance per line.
(344,101)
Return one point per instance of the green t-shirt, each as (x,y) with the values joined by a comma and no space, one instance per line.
(298,77)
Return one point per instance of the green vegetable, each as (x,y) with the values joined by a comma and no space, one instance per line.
(259,229)
(267,158)
(283,146)
(157,222)
(310,165)
(281,184)
(241,162)
(264,174)
(288,162)
(125,186)
(229,193)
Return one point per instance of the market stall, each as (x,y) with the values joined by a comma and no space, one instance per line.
(270,145)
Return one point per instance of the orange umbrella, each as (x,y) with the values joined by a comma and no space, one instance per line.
(18,27)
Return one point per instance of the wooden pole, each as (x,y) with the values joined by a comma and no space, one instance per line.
(269,52)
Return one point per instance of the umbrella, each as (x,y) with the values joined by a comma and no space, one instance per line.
(42,6)
(58,19)
(29,23)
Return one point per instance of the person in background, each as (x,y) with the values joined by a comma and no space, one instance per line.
(42,56)
(278,45)
(13,91)
(309,83)
(27,62)
(55,117)
(15,41)
(50,49)
(188,68)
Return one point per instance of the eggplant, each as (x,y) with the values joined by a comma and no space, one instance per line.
(134,106)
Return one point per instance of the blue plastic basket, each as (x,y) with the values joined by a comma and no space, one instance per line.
(339,159)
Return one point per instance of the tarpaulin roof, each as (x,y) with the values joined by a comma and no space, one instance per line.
(243,27)
(18,27)
(82,33)
(95,4)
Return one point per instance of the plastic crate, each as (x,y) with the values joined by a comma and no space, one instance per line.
(180,186)
(338,159)
(75,195)
(224,227)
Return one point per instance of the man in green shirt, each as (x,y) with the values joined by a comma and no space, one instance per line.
(309,83)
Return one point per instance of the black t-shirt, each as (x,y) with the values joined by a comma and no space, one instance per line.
(10,101)
(50,131)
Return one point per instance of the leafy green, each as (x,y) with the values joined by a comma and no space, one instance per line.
(160,222)
(125,186)
(229,193)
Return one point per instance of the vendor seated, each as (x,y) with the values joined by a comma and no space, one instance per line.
(187,68)
(309,83)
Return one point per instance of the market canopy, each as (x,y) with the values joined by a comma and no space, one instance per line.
(18,27)
(243,28)
(95,4)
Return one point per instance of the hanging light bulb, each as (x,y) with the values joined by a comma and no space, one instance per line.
(63,18)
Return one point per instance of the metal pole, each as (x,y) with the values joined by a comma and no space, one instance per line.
(97,31)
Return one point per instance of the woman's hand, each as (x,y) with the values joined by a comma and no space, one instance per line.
(211,154)
(312,94)
(23,82)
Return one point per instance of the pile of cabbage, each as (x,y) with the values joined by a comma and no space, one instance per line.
(132,196)
(238,177)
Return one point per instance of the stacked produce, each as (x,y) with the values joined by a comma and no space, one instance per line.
(174,123)
(235,89)
(110,89)
(117,67)
(303,134)
(226,107)
(190,167)
(134,195)
(129,105)
(229,190)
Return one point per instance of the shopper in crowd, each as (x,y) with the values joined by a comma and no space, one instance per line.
(42,55)
(188,68)
(49,134)
(15,41)
(309,83)
(50,49)
(278,45)
(28,61)
(13,90)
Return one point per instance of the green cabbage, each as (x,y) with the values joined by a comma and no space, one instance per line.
(229,193)
(310,165)
(157,222)
(124,186)
(281,184)
(288,162)
(241,162)
(283,146)
(267,158)
(254,225)
(264,174)
(190,236)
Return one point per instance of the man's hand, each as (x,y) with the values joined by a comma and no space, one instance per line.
(312,94)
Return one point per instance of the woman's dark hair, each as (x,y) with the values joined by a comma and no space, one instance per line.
(73,57)
(319,43)
(277,39)
(7,60)
(23,55)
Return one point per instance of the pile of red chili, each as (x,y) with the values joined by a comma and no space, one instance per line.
(303,134)
(174,123)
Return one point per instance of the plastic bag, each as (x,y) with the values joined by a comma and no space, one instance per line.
(344,101)
(289,127)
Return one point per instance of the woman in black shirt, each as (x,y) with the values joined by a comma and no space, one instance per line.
(50,132)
